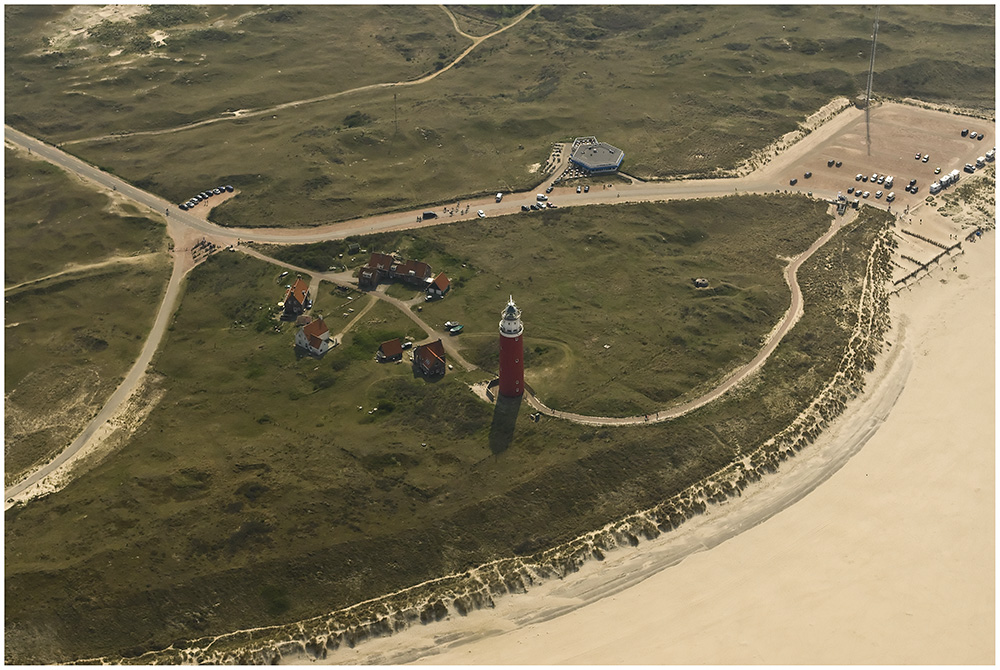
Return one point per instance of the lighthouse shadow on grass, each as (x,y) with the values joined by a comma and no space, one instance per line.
(504,419)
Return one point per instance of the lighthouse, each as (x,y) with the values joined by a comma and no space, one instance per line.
(511,351)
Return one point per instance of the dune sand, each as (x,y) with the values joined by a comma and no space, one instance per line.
(888,557)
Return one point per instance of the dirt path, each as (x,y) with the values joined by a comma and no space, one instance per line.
(244,113)
(794,313)
(54,474)
(73,269)
(347,279)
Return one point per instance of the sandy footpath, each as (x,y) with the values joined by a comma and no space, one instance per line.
(890,560)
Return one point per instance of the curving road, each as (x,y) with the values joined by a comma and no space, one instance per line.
(183,227)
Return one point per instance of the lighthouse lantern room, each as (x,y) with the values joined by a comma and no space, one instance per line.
(511,351)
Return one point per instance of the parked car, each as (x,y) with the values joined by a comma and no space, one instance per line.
(858,177)
(229,189)
(450,324)
(865,194)
(878,194)
(890,197)
(937,170)
(972,135)
(829,163)
(216,191)
(808,174)
(793,181)
(926,156)
(981,136)
(917,156)
(864,178)
(482,214)
(535,207)
(586,189)
(840,163)
(965,132)
(525,208)
(912,182)
(850,190)
(455,330)
(578,189)
(881,179)
(183,207)
(548,190)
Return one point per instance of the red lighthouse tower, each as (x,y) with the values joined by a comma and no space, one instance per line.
(511,351)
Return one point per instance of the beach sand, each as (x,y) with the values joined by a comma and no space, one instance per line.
(887,558)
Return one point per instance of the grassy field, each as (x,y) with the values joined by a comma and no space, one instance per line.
(258,493)
(52,221)
(616,276)
(212,59)
(683,90)
(69,339)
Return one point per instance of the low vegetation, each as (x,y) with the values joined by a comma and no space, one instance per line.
(69,338)
(683,90)
(53,222)
(293,501)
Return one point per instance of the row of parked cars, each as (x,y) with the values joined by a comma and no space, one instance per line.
(205,195)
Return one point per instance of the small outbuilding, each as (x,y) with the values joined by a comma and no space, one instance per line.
(439,287)
(429,359)
(391,350)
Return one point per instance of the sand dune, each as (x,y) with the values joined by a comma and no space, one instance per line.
(888,558)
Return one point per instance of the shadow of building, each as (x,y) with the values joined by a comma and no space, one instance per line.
(505,413)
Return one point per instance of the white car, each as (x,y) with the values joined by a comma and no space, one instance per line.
(482,214)
(865,194)
(926,156)
(878,194)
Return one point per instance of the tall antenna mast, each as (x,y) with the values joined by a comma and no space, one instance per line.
(868,94)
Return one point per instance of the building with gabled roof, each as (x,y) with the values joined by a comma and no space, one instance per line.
(429,360)
(392,266)
(314,337)
(391,350)
(440,286)
(297,298)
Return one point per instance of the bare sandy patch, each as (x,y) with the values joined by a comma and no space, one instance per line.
(534,167)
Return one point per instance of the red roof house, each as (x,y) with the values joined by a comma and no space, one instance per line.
(439,286)
(429,358)
(314,337)
(390,351)
(297,298)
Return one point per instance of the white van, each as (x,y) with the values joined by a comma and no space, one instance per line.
(541,197)
(499,197)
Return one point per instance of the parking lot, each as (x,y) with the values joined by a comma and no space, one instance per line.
(898,133)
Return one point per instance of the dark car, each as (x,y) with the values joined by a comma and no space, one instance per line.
(913,190)
(525,208)
(586,189)
(965,133)
(793,181)
(912,182)
(229,189)
(839,163)
(535,207)
(548,190)
(808,174)
(182,207)
(980,137)
(829,163)
(864,178)
(850,189)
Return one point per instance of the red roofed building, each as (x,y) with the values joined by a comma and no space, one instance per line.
(297,298)
(390,351)
(429,358)
(386,266)
(439,286)
(314,337)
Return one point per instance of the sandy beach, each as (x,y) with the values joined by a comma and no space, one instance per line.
(887,558)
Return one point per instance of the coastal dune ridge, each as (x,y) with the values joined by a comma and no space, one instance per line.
(436,599)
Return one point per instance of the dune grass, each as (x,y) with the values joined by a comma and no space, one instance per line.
(258,493)
(683,90)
